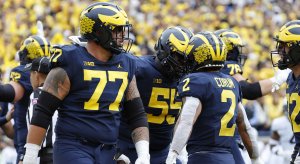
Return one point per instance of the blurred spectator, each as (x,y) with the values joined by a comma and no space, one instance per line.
(8,153)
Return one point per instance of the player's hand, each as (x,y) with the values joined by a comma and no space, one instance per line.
(9,114)
(123,159)
(31,155)
(279,78)
(143,160)
(257,161)
(171,159)
(183,156)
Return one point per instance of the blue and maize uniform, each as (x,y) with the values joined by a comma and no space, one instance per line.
(22,77)
(159,98)
(231,68)
(89,115)
(214,129)
(293,102)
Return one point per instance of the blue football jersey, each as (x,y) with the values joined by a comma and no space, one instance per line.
(159,98)
(232,68)
(21,77)
(219,95)
(293,100)
(92,108)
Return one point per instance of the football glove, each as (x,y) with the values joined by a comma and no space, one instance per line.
(279,78)
(142,149)
(124,158)
(171,159)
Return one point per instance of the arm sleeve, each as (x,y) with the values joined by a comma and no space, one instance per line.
(250,91)
(44,109)
(185,124)
(7,93)
(135,114)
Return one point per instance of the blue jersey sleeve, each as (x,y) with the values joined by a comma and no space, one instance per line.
(22,77)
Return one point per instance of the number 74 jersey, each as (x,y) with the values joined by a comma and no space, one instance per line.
(219,95)
(92,108)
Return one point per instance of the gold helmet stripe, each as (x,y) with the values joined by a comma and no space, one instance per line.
(46,46)
(117,19)
(37,47)
(180,45)
(286,36)
(189,48)
(233,37)
(218,53)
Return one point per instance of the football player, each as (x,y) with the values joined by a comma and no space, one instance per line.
(233,66)
(288,47)
(19,87)
(157,77)
(235,59)
(211,106)
(39,68)
(89,87)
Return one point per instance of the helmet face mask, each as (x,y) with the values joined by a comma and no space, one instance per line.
(288,46)
(170,49)
(107,24)
(289,54)
(120,38)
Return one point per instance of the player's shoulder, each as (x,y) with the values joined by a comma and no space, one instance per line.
(64,55)
(232,68)
(290,77)
(19,69)
(201,77)
(128,55)
(145,61)
(18,73)
(196,79)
